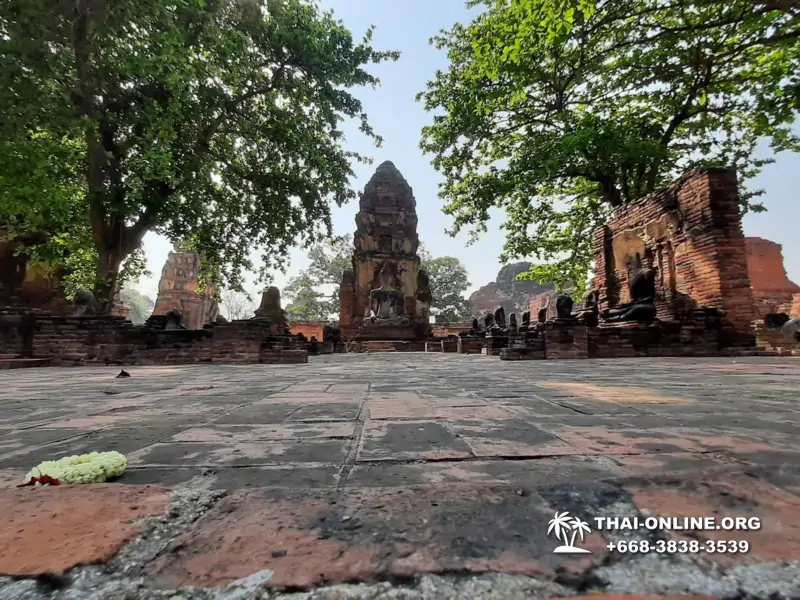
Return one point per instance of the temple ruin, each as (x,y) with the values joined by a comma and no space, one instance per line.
(385,296)
(671,279)
(773,291)
(674,276)
(179,289)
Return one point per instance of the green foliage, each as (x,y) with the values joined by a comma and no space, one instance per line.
(306,303)
(449,282)
(314,293)
(212,121)
(140,306)
(557,117)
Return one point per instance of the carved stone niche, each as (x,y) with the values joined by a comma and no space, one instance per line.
(385,243)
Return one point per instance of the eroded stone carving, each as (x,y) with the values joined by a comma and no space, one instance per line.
(512,322)
(175,319)
(590,314)
(85,304)
(271,309)
(500,318)
(564,306)
(526,321)
(386,303)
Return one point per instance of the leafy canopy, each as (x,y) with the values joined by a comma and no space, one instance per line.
(556,116)
(449,283)
(214,122)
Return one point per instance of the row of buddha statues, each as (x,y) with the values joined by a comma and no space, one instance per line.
(641,309)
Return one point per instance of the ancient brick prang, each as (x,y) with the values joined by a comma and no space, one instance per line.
(691,232)
(178,289)
(771,286)
(386,294)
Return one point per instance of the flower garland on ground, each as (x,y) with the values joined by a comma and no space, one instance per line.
(95,467)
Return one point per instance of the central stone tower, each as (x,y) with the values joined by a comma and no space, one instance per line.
(385,296)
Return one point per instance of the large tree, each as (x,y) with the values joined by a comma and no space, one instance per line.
(557,117)
(449,283)
(216,122)
(306,303)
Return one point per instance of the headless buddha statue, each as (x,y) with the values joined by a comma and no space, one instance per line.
(642,308)
(386,303)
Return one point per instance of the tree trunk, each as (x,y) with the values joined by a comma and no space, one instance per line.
(109,261)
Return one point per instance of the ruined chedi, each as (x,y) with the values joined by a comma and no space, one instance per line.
(178,289)
(385,296)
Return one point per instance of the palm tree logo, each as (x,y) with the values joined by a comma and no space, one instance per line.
(561,525)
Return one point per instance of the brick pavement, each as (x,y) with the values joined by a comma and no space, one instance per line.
(386,466)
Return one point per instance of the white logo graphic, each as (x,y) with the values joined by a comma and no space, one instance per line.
(562,525)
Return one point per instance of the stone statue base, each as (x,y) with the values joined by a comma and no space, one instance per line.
(372,332)
(389,322)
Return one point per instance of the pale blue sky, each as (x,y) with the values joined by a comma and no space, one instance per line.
(407,26)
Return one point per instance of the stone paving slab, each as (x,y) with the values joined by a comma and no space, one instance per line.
(45,531)
(385,467)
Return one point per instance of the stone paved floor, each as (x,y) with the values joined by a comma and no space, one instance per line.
(383,467)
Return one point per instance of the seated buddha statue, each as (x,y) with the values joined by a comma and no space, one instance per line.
(642,308)
(386,303)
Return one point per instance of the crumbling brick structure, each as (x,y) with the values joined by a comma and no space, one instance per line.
(385,256)
(692,233)
(179,289)
(27,283)
(772,290)
(308,328)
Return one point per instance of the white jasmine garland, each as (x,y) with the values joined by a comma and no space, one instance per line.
(95,467)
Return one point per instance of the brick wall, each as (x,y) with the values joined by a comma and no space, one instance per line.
(565,340)
(115,340)
(443,330)
(544,300)
(772,288)
(308,328)
(16,332)
(692,232)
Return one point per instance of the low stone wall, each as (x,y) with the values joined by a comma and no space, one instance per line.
(69,341)
(471,345)
(661,339)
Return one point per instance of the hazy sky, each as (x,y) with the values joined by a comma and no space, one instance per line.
(407,26)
